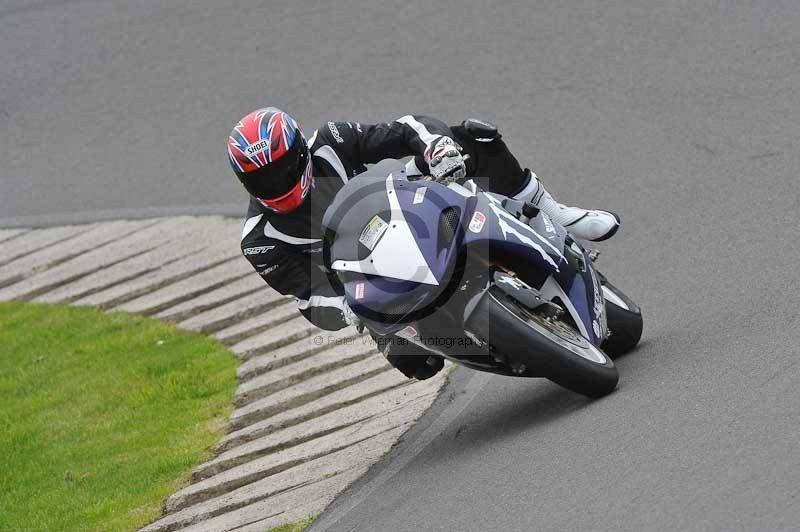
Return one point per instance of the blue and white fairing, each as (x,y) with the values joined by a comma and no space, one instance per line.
(542,244)
(536,244)
(410,257)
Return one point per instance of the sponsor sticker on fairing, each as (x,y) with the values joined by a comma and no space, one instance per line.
(373,232)
(360,290)
(409,333)
(599,307)
(548,225)
(419,195)
(476,224)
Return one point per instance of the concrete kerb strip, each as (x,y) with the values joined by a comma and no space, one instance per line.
(284,334)
(313,428)
(149,262)
(299,503)
(281,460)
(40,257)
(308,390)
(281,378)
(8,234)
(168,274)
(258,302)
(190,292)
(256,365)
(316,408)
(242,330)
(297,477)
(379,384)
(17,248)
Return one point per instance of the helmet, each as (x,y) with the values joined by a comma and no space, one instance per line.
(269,155)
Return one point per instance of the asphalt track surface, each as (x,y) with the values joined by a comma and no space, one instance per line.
(684,117)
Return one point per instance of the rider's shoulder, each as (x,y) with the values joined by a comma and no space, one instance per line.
(256,218)
(333,134)
(259,235)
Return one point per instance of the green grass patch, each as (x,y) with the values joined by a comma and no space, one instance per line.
(299,526)
(102,415)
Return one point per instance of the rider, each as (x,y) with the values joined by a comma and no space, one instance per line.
(292,181)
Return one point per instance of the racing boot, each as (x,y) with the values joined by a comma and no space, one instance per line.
(585,224)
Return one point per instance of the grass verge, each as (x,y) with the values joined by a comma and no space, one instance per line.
(299,526)
(102,415)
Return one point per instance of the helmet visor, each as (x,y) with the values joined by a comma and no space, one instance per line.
(280,176)
(294,198)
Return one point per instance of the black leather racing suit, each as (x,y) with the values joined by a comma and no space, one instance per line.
(286,249)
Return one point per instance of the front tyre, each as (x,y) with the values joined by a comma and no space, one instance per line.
(624,321)
(551,349)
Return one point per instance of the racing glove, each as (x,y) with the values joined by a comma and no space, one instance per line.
(351,318)
(445,160)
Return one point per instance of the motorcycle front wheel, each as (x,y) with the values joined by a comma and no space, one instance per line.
(538,346)
(624,320)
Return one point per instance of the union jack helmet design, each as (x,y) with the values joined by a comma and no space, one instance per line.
(269,155)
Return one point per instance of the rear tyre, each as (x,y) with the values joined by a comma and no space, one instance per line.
(537,347)
(624,321)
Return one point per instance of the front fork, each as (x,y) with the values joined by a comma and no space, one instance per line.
(508,285)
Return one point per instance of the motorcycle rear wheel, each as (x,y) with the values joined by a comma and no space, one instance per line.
(542,347)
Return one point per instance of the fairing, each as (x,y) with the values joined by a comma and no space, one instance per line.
(500,232)
(387,282)
(391,285)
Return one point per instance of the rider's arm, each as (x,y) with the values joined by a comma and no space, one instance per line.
(491,165)
(363,143)
(293,273)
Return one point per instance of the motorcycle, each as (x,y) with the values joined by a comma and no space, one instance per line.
(485,281)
